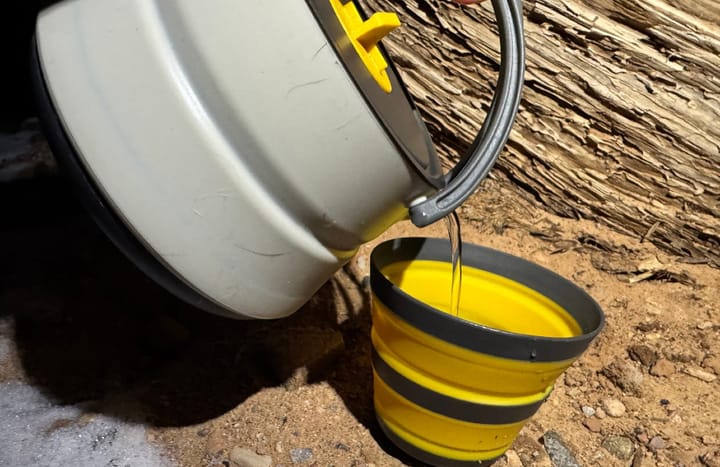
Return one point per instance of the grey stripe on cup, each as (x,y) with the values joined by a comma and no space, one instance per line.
(427,457)
(473,336)
(449,406)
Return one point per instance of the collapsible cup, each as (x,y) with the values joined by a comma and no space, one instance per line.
(456,390)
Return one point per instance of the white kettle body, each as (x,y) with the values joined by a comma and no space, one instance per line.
(240,152)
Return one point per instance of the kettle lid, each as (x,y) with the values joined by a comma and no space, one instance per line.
(355,39)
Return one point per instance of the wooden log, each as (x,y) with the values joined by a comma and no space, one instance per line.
(620,115)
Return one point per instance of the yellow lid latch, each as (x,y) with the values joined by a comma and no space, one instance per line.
(365,35)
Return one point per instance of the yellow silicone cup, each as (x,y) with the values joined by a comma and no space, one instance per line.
(451,390)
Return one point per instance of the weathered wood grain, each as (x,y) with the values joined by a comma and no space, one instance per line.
(619,121)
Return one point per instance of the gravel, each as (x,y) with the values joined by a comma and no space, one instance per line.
(243,457)
(559,452)
(614,407)
(301,455)
(619,446)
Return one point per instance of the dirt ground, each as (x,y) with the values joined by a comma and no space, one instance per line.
(84,325)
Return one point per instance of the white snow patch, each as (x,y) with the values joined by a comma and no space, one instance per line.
(35,431)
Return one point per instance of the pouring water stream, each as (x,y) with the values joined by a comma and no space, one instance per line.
(453,226)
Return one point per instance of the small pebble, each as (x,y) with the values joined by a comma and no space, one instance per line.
(619,446)
(613,407)
(709,440)
(531,452)
(643,354)
(652,325)
(600,413)
(593,424)
(704,325)
(300,455)
(700,374)
(656,443)
(625,375)
(664,402)
(711,459)
(643,437)
(215,442)
(638,459)
(241,457)
(712,364)
(559,453)
(512,458)
(588,411)
(662,368)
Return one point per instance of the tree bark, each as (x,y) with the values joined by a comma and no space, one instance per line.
(620,113)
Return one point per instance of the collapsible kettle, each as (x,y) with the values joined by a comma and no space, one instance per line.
(240,152)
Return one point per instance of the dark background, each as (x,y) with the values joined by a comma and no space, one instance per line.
(17,25)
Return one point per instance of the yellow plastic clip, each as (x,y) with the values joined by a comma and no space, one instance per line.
(365,35)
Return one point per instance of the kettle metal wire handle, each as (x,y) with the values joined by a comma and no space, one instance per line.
(464,178)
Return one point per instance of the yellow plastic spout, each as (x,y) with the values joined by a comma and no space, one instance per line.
(365,36)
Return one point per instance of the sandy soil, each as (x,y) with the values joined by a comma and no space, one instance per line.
(83,326)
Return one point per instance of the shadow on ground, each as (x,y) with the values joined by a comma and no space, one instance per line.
(89,326)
